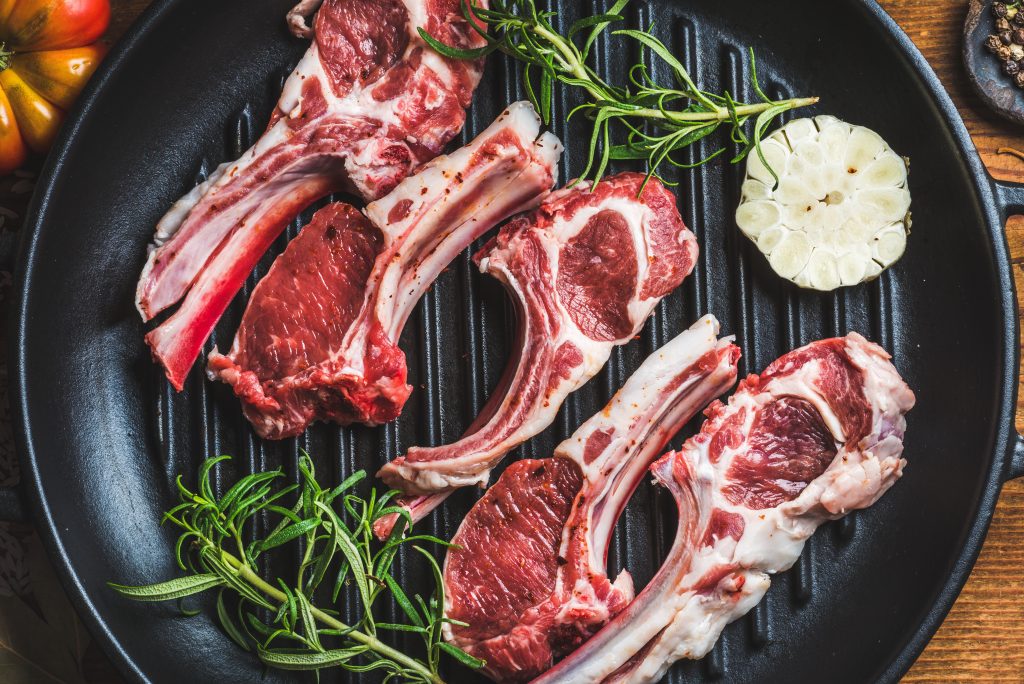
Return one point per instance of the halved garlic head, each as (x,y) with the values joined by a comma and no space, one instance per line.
(840,211)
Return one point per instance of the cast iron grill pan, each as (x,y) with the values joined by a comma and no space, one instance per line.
(104,435)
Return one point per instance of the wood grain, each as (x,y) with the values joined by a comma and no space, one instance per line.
(982,638)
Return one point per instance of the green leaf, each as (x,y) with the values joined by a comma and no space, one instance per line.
(228,623)
(171,589)
(308,621)
(601,25)
(349,482)
(347,547)
(204,475)
(462,656)
(246,484)
(403,601)
(454,52)
(288,659)
(398,627)
(293,531)
(658,48)
(258,625)
(30,649)
(213,563)
(290,608)
(323,561)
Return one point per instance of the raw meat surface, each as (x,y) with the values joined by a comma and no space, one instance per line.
(817,435)
(528,574)
(367,105)
(318,340)
(586,270)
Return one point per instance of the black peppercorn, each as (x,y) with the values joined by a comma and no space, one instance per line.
(1004,53)
(999,9)
(1002,24)
(1018,36)
(993,43)
(1018,19)
(1011,68)
(1019,79)
(1006,37)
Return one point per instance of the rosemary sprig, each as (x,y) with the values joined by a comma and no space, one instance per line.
(281,620)
(657,121)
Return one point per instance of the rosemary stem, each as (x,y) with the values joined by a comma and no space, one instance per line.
(571,60)
(246,573)
(721,113)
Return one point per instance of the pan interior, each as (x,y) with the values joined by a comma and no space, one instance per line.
(108,436)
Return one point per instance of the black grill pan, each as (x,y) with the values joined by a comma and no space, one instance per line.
(102,435)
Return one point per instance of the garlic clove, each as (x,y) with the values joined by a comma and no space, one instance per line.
(768,240)
(888,171)
(776,154)
(756,190)
(754,218)
(863,147)
(790,256)
(852,268)
(888,246)
(797,130)
(822,271)
(889,204)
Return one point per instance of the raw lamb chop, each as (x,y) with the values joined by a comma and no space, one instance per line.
(817,435)
(318,339)
(586,270)
(527,573)
(367,105)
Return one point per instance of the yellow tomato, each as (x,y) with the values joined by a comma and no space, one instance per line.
(37,118)
(12,145)
(58,75)
(47,54)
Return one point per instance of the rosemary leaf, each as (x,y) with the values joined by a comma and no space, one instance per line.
(227,623)
(461,656)
(171,589)
(286,659)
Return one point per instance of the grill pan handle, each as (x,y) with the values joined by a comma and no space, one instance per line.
(1010,202)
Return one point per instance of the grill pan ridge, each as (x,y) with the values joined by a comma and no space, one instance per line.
(852,580)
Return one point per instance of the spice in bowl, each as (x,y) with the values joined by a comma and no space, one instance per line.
(1007,41)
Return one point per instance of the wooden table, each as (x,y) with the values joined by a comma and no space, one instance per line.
(982,638)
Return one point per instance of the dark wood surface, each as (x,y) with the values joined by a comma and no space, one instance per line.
(983,637)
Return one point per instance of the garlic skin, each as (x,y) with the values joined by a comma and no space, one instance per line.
(840,212)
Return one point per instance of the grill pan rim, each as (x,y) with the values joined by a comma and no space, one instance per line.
(988,194)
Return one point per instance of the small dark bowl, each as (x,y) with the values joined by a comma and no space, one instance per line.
(985,71)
